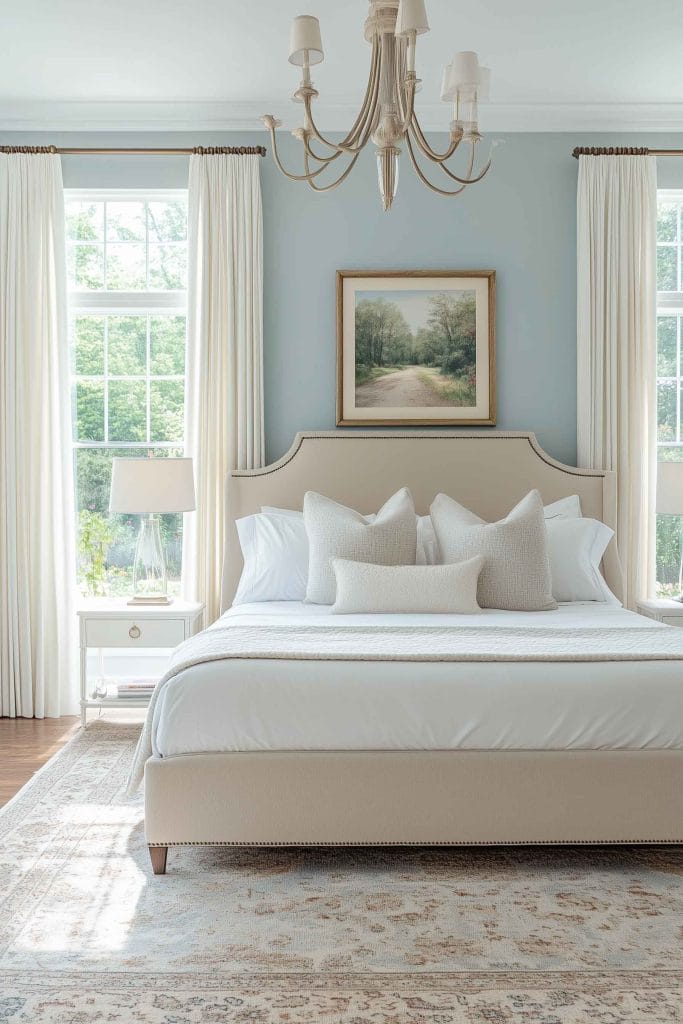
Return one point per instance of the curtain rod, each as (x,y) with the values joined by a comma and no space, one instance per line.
(199,150)
(623,151)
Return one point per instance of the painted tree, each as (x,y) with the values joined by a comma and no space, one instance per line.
(383,337)
(452,322)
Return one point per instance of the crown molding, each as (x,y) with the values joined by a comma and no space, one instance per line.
(224,116)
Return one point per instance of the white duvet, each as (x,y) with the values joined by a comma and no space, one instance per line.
(276,704)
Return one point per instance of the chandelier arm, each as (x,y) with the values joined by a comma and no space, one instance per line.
(363,132)
(288,174)
(420,139)
(340,179)
(315,156)
(366,113)
(424,179)
(406,111)
(468,180)
(349,150)
(410,86)
(367,109)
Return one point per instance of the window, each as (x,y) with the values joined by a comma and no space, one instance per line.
(126,260)
(669,374)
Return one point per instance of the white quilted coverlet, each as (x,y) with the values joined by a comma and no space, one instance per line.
(238,639)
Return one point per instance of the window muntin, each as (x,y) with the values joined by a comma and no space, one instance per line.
(126,263)
(669,374)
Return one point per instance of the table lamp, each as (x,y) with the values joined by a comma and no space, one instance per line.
(149,487)
(670,501)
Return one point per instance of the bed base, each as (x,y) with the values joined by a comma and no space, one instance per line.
(415,797)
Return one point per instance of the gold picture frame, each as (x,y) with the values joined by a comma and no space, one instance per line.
(416,348)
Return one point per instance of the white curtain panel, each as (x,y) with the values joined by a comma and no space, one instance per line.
(224,404)
(616,341)
(37,618)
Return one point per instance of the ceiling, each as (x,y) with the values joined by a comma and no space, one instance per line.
(218,64)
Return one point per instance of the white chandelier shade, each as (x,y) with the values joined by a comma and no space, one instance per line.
(387,116)
(411,17)
(305,43)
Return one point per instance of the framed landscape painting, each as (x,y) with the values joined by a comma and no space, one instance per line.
(416,347)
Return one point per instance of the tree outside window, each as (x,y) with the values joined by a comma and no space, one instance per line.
(127,259)
(669,375)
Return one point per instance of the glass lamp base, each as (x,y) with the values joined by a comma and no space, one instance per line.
(149,569)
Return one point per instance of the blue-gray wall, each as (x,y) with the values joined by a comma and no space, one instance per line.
(520,221)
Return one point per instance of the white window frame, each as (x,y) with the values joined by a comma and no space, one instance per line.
(151,303)
(672,303)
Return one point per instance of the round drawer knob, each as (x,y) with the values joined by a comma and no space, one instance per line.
(134,632)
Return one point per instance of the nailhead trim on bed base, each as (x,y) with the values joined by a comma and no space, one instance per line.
(438,842)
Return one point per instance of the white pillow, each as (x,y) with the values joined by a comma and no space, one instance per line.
(566,508)
(401,589)
(575,549)
(335,531)
(275,553)
(427,547)
(516,571)
(427,552)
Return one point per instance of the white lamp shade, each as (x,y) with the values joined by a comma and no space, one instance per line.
(411,17)
(465,69)
(450,85)
(140,486)
(305,42)
(670,488)
(484,87)
(447,88)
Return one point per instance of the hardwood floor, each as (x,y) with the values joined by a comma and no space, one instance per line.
(25,745)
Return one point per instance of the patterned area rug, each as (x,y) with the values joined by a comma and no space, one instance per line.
(331,936)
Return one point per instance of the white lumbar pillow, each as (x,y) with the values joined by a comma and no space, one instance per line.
(335,531)
(575,549)
(516,572)
(275,553)
(402,589)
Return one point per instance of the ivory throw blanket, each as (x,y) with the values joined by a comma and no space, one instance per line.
(305,642)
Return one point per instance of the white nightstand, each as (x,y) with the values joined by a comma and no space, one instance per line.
(662,609)
(112,622)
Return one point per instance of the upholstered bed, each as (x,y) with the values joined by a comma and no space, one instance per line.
(289,725)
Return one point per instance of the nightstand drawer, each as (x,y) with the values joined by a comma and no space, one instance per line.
(672,620)
(134,632)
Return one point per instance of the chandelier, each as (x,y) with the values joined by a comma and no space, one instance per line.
(387,115)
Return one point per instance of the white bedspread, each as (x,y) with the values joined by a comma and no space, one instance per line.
(297,701)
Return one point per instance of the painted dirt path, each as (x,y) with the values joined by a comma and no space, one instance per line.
(402,388)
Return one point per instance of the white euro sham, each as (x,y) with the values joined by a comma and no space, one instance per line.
(575,550)
(275,554)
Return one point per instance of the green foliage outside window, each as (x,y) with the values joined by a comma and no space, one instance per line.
(128,370)
(669,379)
(96,534)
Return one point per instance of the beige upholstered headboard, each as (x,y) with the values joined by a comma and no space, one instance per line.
(486,471)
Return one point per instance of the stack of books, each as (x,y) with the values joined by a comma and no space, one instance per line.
(123,688)
(135,688)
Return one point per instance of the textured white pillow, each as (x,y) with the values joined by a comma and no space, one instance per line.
(427,552)
(275,553)
(575,549)
(432,589)
(516,571)
(335,531)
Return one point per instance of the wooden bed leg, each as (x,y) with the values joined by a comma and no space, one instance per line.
(158,856)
